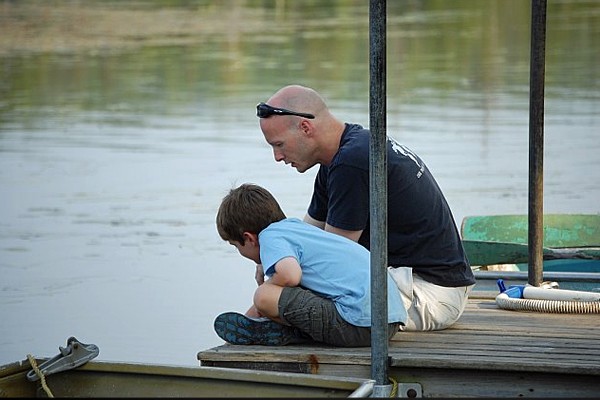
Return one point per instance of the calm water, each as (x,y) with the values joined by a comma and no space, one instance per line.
(113,160)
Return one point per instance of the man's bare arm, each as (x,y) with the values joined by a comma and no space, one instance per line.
(352,235)
(310,220)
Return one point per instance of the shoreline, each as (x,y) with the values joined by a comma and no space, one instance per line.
(66,27)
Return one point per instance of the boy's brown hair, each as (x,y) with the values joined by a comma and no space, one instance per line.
(247,208)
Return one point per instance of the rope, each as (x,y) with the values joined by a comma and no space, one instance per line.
(40,375)
(394,387)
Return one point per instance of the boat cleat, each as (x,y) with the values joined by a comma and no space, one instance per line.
(72,356)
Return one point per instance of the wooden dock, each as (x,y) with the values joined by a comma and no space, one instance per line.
(489,352)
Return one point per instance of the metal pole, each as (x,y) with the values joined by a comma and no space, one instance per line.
(378,198)
(536,142)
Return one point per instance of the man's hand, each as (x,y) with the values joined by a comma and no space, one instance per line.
(259,276)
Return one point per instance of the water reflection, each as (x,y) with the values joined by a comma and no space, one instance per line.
(120,134)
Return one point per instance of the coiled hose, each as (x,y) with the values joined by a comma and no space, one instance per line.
(548,306)
(550,301)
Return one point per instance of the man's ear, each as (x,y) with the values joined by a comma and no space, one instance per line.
(306,127)
(251,238)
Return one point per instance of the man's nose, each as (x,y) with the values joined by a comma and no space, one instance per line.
(278,155)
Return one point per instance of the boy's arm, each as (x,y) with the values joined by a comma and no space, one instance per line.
(287,273)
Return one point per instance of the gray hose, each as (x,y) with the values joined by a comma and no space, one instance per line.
(548,306)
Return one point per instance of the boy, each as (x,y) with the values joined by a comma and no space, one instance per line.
(319,283)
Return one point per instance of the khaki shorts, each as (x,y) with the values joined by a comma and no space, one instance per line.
(429,307)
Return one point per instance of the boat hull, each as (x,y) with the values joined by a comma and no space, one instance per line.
(110,379)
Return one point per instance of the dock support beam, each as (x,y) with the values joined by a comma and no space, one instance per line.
(536,142)
(378,198)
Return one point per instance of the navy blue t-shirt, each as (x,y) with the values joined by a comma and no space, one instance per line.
(422,233)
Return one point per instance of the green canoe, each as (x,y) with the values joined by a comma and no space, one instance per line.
(571,241)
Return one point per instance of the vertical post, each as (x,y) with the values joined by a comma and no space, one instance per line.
(378,197)
(536,142)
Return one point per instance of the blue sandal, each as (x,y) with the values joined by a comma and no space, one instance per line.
(236,328)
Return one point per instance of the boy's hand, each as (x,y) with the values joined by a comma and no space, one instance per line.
(259,275)
(253,313)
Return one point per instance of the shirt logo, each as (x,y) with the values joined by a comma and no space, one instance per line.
(406,152)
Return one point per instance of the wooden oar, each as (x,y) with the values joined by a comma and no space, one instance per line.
(487,253)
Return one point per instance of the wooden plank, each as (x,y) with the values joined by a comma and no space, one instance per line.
(463,358)
(585,347)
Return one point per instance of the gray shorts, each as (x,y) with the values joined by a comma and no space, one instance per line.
(318,318)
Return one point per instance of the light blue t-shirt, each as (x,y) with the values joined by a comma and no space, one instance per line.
(333,266)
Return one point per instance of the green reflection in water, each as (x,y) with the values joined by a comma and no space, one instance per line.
(194,57)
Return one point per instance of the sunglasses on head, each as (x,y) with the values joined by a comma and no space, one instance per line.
(263,110)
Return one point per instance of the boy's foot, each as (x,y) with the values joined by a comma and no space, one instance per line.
(236,328)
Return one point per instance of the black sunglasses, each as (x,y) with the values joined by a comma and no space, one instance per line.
(263,110)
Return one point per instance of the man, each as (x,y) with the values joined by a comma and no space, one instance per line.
(426,256)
